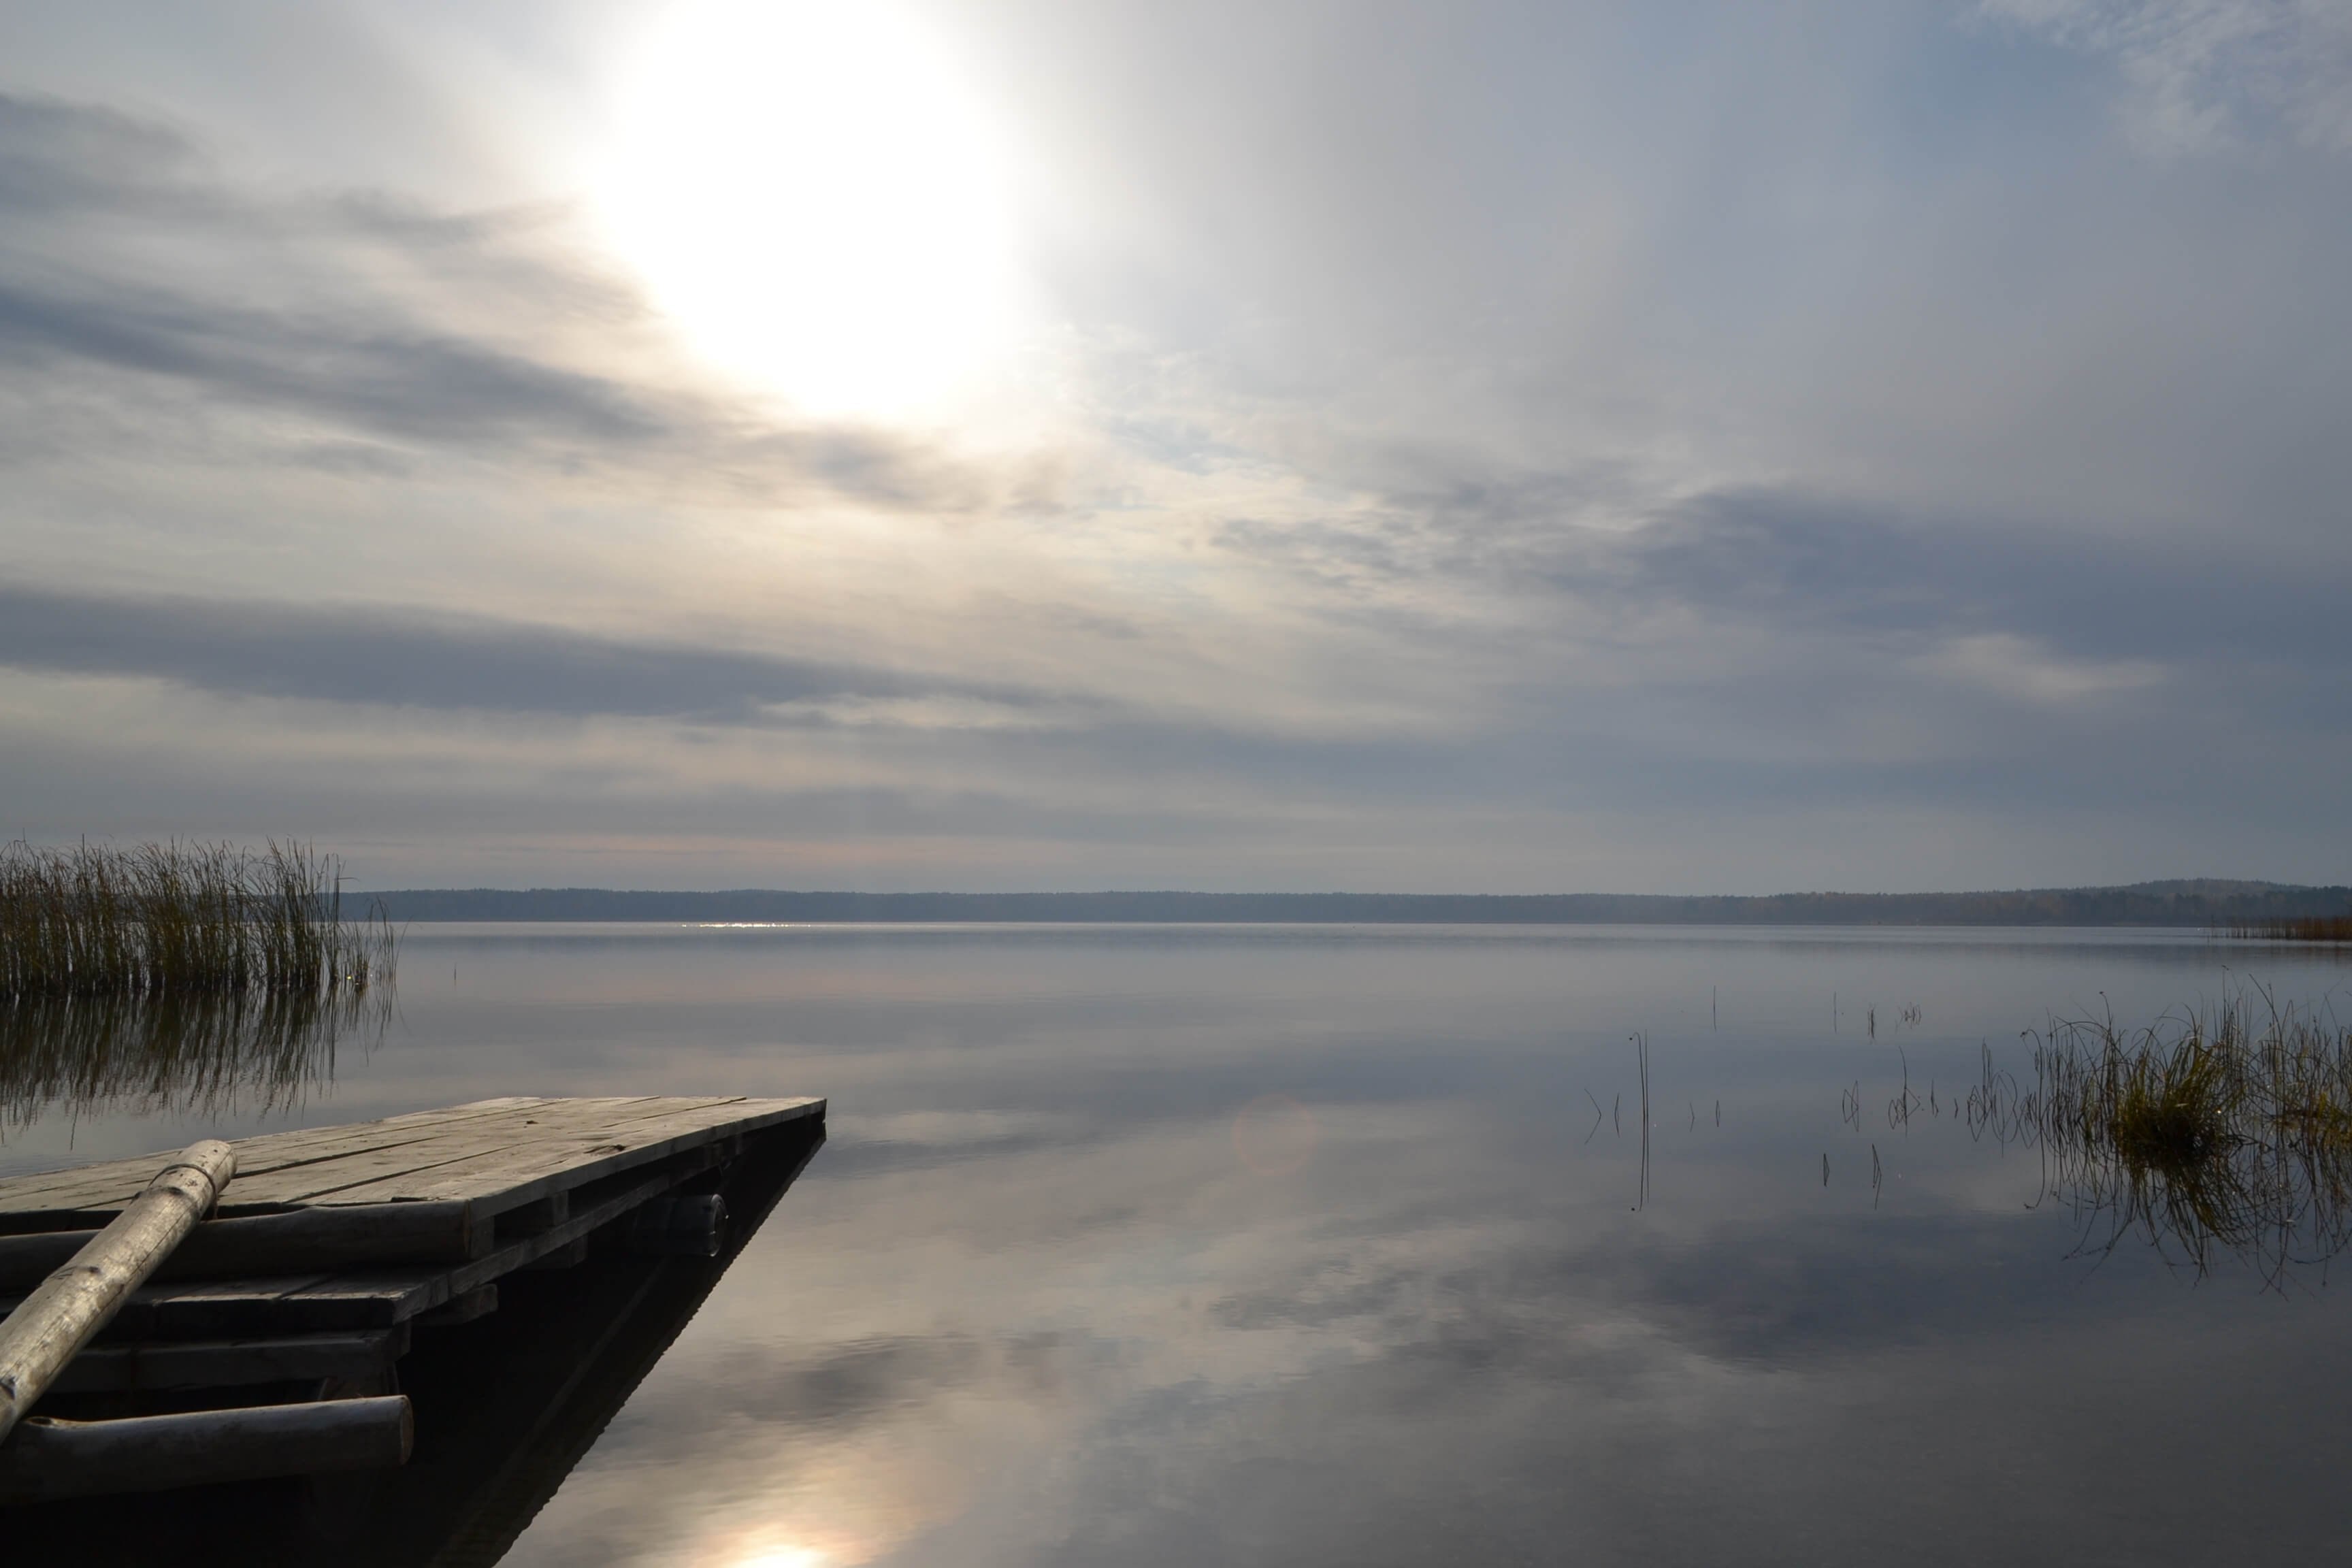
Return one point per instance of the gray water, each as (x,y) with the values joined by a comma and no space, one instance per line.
(1310,1245)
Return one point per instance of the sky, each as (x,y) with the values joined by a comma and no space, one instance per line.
(937,444)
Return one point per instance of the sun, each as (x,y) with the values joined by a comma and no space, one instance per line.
(817,199)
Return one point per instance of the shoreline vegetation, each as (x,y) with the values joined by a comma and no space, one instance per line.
(182,921)
(176,977)
(2264,910)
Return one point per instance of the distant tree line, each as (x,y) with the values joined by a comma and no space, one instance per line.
(2219,905)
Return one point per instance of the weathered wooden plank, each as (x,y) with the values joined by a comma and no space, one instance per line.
(258,1155)
(302,1145)
(344,1302)
(332,1180)
(211,1309)
(227,1363)
(66,1311)
(101,1186)
(506,1178)
(152,1453)
(323,1300)
(405,1171)
(413,1171)
(104,1185)
(313,1165)
(339,1237)
(599,1160)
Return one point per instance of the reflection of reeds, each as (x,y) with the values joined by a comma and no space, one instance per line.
(2218,1130)
(181,920)
(170,1054)
(2304,928)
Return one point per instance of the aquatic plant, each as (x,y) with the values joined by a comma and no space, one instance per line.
(2226,1129)
(182,919)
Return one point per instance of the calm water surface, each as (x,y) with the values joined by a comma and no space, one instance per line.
(1310,1245)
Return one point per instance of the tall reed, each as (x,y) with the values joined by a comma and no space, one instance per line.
(182,919)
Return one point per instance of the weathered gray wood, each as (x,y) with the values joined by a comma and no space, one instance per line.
(292,1304)
(464,1153)
(283,1156)
(67,1310)
(228,1363)
(337,1236)
(321,1301)
(475,1164)
(533,1178)
(113,1184)
(48,1458)
(382,1170)
(511,1177)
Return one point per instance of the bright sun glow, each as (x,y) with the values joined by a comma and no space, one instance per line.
(819,201)
(783,1557)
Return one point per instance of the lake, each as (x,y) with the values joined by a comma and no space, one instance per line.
(1352,1245)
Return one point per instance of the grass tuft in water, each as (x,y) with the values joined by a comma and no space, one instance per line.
(2226,1129)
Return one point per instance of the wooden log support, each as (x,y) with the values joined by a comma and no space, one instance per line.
(70,1306)
(349,1358)
(48,1458)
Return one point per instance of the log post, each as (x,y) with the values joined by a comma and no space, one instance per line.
(50,1326)
(202,1448)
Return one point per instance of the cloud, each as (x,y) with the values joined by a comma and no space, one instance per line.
(1529,449)
(1801,565)
(401,385)
(2018,667)
(370,656)
(129,267)
(2203,73)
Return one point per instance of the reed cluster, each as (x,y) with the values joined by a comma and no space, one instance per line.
(182,920)
(2223,1129)
(2198,1084)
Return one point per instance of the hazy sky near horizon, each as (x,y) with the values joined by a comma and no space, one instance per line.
(946,444)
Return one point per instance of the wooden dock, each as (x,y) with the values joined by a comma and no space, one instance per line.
(335,1255)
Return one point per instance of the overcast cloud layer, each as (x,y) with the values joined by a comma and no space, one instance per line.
(1478,447)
